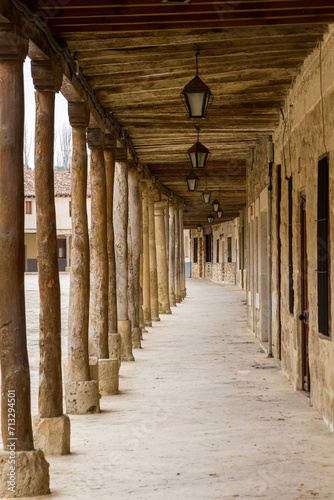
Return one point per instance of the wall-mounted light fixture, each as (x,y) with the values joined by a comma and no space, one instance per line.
(210,219)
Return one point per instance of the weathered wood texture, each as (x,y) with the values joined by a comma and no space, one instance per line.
(146,260)
(98,329)
(172,298)
(50,397)
(121,243)
(78,318)
(153,258)
(177,254)
(15,374)
(162,264)
(109,160)
(134,245)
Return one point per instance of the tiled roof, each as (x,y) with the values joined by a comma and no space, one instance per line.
(62,184)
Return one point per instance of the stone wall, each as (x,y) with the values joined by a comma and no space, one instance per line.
(299,143)
(215,271)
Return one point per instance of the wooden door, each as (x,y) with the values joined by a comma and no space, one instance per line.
(304,302)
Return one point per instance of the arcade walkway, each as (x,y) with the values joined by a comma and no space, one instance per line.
(202,414)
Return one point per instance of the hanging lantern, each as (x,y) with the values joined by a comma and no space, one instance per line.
(210,219)
(196,96)
(198,154)
(220,214)
(199,228)
(206,195)
(215,206)
(192,182)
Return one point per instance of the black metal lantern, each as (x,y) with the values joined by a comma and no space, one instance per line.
(215,206)
(220,214)
(198,154)
(199,228)
(192,182)
(197,96)
(210,219)
(206,195)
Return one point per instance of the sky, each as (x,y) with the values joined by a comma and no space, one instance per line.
(61,115)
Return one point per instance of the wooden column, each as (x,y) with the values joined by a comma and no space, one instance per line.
(162,268)
(166,211)
(183,270)
(50,398)
(146,260)
(134,246)
(113,335)
(31,471)
(171,280)
(153,258)
(47,81)
(15,374)
(78,317)
(98,330)
(177,254)
(81,393)
(121,252)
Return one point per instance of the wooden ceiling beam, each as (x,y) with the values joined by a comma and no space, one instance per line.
(261,34)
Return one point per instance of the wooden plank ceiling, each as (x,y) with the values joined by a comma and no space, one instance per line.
(138,56)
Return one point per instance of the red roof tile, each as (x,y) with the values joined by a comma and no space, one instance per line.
(62,182)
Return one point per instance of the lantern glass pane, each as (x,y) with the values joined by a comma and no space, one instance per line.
(196,101)
(201,160)
(193,159)
(215,207)
(192,184)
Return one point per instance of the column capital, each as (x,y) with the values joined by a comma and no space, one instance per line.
(154,195)
(95,138)
(78,114)
(47,77)
(120,154)
(13,46)
(159,208)
(110,141)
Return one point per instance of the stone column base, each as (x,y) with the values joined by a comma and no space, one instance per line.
(155,318)
(108,376)
(172,300)
(163,309)
(52,435)
(114,343)
(178,299)
(124,329)
(30,476)
(147,316)
(136,338)
(82,397)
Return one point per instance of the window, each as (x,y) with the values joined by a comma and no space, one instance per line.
(28,207)
(61,247)
(208,248)
(195,250)
(323,250)
(291,290)
(70,209)
(229,249)
(217,256)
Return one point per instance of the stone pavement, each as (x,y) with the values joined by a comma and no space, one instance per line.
(202,414)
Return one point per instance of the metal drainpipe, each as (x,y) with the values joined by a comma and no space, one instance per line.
(270,195)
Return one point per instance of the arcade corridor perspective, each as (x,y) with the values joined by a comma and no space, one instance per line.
(202,414)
